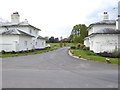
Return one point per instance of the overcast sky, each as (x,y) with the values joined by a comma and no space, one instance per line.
(57,17)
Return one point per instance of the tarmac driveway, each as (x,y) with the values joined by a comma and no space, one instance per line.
(56,69)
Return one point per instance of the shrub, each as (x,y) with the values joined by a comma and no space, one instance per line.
(112,55)
(61,44)
(116,54)
(104,54)
(55,45)
(3,52)
(21,51)
(79,45)
(73,47)
(64,44)
(82,46)
(13,52)
(33,50)
(86,48)
(27,51)
(90,53)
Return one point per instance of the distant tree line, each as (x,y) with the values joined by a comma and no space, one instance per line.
(52,40)
(79,32)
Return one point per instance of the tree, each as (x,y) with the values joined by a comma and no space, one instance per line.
(79,32)
(56,40)
(51,39)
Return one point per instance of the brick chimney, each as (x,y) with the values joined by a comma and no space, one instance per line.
(105,16)
(15,17)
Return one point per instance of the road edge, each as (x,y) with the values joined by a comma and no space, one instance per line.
(72,55)
(77,57)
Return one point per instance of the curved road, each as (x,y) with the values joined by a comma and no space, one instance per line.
(56,69)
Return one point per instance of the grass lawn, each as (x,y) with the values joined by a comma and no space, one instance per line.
(29,53)
(63,44)
(92,56)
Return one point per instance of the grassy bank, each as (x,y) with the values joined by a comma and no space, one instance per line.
(27,53)
(92,56)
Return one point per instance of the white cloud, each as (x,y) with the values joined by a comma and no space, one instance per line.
(55,17)
(97,14)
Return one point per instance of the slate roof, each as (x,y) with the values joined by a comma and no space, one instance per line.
(9,24)
(16,32)
(104,22)
(40,37)
(104,31)
(107,31)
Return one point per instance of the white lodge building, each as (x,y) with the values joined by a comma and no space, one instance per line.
(104,36)
(18,36)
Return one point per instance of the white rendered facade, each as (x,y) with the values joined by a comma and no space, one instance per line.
(103,36)
(18,41)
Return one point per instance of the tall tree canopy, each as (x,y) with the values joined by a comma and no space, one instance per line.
(79,32)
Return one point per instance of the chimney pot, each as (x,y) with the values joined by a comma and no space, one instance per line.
(105,16)
(105,13)
(15,13)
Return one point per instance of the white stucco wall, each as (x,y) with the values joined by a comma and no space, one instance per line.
(34,31)
(40,43)
(15,43)
(119,43)
(8,42)
(22,45)
(86,42)
(104,43)
(118,23)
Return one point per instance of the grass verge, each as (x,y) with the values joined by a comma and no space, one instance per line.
(92,56)
(28,53)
